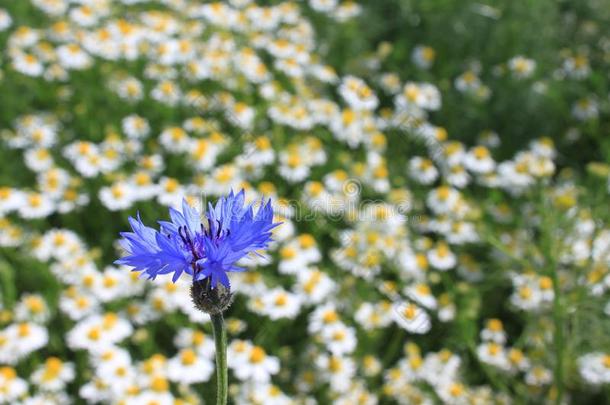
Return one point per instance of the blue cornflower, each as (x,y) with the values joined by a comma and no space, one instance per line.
(204,251)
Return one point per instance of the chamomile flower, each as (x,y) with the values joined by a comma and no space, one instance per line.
(338,370)
(28,64)
(281,304)
(374,315)
(494,331)
(522,67)
(195,339)
(577,66)
(322,317)
(595,368)
(441,257)
(479,160)
(119,196)
(585,109)
(339,338)
(5,20)
(10,199)
(538,376)
(130,89)
(493,354)
(422,170)
(38,159)
(189,367)
(423,56)
(323,6)
(518,360)
(54,374)
(32,307)
(411,317)
(443,200)
(468,82)
(298,255)
(23,338)
(135,126)
(256,365)
(421,294)
(36,205)
(357,94)
(167,92)
(13,387)
(314,285)
(71,56)
(175,140)
(98,332)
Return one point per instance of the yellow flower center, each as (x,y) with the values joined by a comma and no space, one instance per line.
(159,384)
(188,357)
(94,333)
(515,356)
(334,364)
(257,355)
(410,311)
(35,200)
(481,152)
(423,289)
(171,185)
(288,253)
(443,193)
(493,349)
(525,292)
(545,283)
(495,325)
(281,300)
(330,317)
(117,191)
(456,390)
(35,304)
(339,335)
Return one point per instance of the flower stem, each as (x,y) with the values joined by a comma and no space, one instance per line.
(549,250)
(559,340)
(220,338)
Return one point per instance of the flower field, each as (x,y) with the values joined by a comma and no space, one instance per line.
(389,202)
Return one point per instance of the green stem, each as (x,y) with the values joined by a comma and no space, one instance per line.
(8,292)
(393,348)
(559,338)
(220,338)
(549,250)
(495,242)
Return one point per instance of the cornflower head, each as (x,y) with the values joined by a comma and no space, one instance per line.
(205,247)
